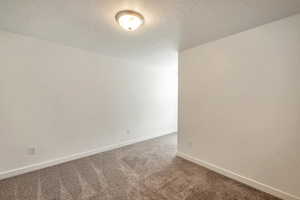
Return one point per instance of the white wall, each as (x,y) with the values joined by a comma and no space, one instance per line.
(64,101)
(240,105)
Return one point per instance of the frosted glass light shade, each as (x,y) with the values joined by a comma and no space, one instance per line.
(129,20)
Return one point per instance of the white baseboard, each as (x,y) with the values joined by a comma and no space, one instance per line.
(253,183)
(37,166)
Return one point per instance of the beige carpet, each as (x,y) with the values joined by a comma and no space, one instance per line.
(144,171)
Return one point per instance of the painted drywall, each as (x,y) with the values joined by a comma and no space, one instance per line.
(65,101)
(239,105)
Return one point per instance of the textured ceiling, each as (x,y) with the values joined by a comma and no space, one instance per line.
(171,25)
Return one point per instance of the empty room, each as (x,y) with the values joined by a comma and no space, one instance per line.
(150,100)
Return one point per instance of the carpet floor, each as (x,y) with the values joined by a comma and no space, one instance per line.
(145,171)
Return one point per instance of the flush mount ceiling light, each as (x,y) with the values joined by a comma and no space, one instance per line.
(129,20)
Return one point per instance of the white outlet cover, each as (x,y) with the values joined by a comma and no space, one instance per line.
(31,151)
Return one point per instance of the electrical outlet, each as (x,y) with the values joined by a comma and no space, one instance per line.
(31,151)
(128,132)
